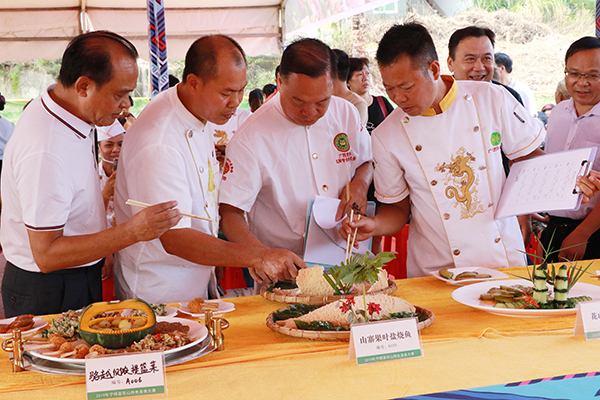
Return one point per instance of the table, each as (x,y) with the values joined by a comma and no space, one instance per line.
(464,348)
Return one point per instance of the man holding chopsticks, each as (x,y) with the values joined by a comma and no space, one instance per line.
(170,154)
(54,231)
(304,142)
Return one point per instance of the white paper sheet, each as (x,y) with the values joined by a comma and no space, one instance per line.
(324,244)
(545,183)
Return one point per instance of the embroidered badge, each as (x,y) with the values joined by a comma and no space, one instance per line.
(221,136)
(461,183)
(341,142)
(227,168)
(495,139)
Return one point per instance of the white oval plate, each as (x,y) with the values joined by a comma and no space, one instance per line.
(197,331)
(494,274)
(224,306)
(38,323)
(469,296)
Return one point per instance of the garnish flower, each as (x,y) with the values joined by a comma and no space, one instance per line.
(347,304)
(373,308)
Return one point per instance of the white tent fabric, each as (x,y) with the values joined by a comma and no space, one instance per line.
(42,28)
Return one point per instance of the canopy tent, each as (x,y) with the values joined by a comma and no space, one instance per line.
(41,29)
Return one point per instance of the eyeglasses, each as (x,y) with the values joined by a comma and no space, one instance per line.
(575,76)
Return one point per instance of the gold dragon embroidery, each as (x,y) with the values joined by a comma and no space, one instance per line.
(461,175)
(222,136)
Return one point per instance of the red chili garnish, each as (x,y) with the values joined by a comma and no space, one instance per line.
(373,308)
(346,304)
(529,301)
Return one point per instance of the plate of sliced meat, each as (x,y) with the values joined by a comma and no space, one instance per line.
(27,323)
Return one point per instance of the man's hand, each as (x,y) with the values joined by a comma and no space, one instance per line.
(366,229)
(276,265)
(153,221)
(589,185)
(358,201)
(109,188)
(573,247)
(525,224)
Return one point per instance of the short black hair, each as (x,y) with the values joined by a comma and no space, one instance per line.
(173,80)
(470,31)
(585,43)
(308,57)
(88,55)
(201,57)
(410,39)
(255,94)
(343,65)
(356,64)
(268,89)
(504,60)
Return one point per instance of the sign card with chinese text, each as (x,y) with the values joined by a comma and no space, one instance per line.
(138,374)
(587,321)
(385,340)
(545,183)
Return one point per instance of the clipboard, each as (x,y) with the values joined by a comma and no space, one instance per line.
(545,183)
(320,248)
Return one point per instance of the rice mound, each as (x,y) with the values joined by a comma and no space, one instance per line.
(310,281)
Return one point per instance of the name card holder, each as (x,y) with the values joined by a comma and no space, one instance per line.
(128,375)
(587,320)
(384,341)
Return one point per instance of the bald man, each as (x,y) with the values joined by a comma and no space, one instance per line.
(169,154)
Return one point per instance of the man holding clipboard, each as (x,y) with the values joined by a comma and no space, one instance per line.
(574,124)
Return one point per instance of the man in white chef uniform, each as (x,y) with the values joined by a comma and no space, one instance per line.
(169,153)
(438,160)
(303,143)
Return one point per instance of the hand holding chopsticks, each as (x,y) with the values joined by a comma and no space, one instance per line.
(144,205)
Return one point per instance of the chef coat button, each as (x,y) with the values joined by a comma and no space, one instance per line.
(482,168)
(468,97)
(446,216)
(190,133)
(405,119)
(418,147)
(433,183)
(201,170)
(456,252)
(325,188)
(476,129)
(315,156)
(496,240)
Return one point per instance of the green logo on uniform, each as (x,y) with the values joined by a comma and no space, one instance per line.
(341,142)
(495,139)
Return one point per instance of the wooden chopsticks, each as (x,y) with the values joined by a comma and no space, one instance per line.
(144,205)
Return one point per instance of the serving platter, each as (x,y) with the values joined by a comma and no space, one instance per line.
(336,335)
(318,300)
(224,306)
(38,324)
(469,296)
(197,331)
(494,274)
(34,363)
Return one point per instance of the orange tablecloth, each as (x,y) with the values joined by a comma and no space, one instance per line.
(464,348)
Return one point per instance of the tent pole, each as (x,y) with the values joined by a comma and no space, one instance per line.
(157,41)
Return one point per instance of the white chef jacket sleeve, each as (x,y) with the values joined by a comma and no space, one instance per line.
(522,134)
(44,191)
(241,181)
(390,185)
(157,174)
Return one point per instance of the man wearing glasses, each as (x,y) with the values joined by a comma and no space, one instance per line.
(575,123)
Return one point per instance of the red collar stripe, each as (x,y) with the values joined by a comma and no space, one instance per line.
(63,121)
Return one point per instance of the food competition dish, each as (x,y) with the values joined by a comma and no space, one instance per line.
(218,307)
(332,321)
(464,275)
(28,324)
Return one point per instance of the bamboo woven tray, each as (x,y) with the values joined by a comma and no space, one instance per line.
(318,300)
(335,335)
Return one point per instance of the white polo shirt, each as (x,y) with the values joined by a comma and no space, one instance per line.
(166,155)
(451,167)
(275,167)
(49,180)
